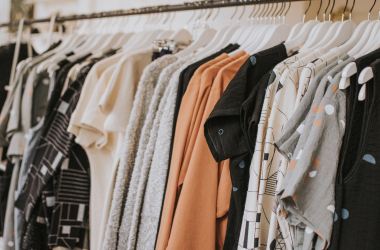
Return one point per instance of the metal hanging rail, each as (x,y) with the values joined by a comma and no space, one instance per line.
(154,9)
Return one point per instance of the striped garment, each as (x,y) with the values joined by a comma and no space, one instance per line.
(56,194)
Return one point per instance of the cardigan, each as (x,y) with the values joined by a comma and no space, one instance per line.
(138,113)
(128,228)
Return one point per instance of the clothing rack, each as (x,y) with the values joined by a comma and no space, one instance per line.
(187,6)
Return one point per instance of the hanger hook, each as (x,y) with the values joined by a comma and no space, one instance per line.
(269,9)
(275,9)
(287,11)
(233,15)
(266,6)
(306,11)
(319,10)
(332,10)
(217,14)
(352,9)
(281,9)
(327,7)
(243,12)
(261,13)
(344,11)
(370,10)
(308,8)
(253,11)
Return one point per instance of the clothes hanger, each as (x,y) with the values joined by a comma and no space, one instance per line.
(114,36)
(294,44)
(343,33)
(61,52)
(332,31)
(17,51)
(331,27)
(93,45)
(296,28)
(93,40)
(145,38)
(359,32)
(206,35)
(373,42)
(182,35)
(166,32)
(218,40)
(51,29)
(364,77)
(277,34)
(247,29)
(351,68)
(257,30)
(127,34)
(241,33)
(235,27)
(318,32)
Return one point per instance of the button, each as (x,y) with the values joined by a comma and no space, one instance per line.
(220,131)
(253,60)
(38,118)
(235,189)
(242,164)
(11,243)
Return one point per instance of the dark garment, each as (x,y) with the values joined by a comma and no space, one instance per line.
(231,129)
(6,58)
(355,111)
(5,181)
(54,199)
(162,52)
(357,217)
(41,86)
(60,78)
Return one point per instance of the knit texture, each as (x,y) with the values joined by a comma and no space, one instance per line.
(130,221)
(138,114)
(155,186)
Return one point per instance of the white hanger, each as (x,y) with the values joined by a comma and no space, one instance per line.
(257,31)
(204,38)
(343,33)
(351,68)
(373,42)
(317,31)
(264,38)
(240,28)
(275,36)
(296,43)
(297,27)
(236,25)
(322,30)
(295,30)
(220,40)
(365,76)
(17,51)
(356,37)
